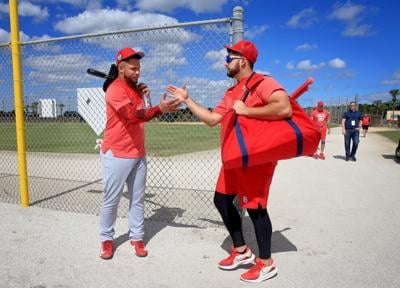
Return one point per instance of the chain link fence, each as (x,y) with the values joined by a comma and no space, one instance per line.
(9,164)
(65,115)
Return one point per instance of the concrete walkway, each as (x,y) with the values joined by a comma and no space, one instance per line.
(336,224)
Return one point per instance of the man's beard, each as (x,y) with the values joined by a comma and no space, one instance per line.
(233,71)
(131,81)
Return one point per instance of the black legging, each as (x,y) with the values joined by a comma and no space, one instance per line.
(233,223)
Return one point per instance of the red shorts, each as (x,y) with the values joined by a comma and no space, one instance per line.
(251,184)
(323,133)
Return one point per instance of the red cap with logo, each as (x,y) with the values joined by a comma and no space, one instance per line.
(245,48)
(320,103)
(126,53)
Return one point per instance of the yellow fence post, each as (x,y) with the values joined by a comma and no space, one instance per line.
(19,103)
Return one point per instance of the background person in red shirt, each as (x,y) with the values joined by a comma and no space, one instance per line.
(366,120)
(320,116)
(268,101)
(123,154)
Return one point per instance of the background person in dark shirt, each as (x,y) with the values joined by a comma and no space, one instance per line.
(351,126)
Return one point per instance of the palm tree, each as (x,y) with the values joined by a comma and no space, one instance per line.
(394,93)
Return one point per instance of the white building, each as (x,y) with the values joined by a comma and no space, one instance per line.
(47,108)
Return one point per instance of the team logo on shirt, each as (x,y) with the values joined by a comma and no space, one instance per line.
(245,200)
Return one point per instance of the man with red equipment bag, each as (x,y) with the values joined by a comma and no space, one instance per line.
(267,101)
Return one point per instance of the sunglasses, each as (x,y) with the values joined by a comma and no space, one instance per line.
(230,58)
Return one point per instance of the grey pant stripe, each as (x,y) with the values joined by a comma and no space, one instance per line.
(117,172)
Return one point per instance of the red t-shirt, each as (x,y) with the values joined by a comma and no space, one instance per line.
(257,97)
(366,120)
(125,139)
(320,118)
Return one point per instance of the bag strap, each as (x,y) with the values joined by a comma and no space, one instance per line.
(239,135)
(250,84)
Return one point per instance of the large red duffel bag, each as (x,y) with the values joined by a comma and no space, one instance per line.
(249,142)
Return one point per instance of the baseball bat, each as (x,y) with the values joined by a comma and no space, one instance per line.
(302,89)
(97,73)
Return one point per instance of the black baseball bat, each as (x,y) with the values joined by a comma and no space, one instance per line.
(97,73)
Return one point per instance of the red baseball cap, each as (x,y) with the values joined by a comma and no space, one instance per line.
(320,103)
(245,48)
(126,53)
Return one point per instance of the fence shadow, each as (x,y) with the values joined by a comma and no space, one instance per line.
(63,192)
(153,225)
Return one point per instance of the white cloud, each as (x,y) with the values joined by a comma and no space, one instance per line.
(306,47)
(87,4)
(204,6)
(4,8)
(277,61)
(205,91)
(307,65)
(31,10)
(55,77)
(253,31)
(163,48)
(352,15)
(337,63)
(63,72)
(106,20)
(65,62)
(167,55)
(290,66)
(263,72)
(305,18)
(353,30)
(376,96)
(395,80)
(347,12)
(126,5)
(27,9)
(218,59)
(5,36)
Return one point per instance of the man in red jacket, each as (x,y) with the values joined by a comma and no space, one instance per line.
(269,101)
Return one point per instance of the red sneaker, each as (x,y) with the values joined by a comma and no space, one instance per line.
(259,272)
(322,156)
(236,259)
(139,248)
(315,156)
(106,251)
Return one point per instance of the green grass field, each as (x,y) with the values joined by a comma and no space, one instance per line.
(392,135)
(162,139)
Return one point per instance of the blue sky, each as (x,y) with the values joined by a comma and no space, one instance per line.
(349,47)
